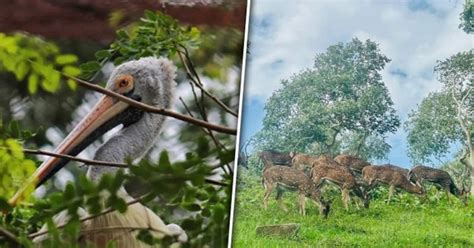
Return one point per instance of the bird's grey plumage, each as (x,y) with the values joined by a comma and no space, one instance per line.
(154,83)
(155,87)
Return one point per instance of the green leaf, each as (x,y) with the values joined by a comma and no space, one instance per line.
(219,212)
(190,224)
(203,147)
(65,59)
(72,84)
(71,70)
(120,205)
(69,192)
(33,83)
(122,34)
(15,129)
(91,66)
(150,15)
(22,69)
(164,159)
(191,207)
(4,206)
(101,54)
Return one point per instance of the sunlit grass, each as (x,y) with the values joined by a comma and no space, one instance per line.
(406,222)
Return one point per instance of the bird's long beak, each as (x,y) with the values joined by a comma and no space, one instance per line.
(105,115)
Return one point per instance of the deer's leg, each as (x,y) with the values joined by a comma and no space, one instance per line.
(302,200)
(390,193)
(447,194)
(345,197)
(268,191)
(280,201)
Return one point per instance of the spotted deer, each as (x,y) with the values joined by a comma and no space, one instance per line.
(391,175)
(302,162)
(270,158)
(326,169)
(355,163)
(440,178)
(286,178)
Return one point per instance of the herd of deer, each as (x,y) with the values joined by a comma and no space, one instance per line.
(307,174)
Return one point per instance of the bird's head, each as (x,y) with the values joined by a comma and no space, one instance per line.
(148,80)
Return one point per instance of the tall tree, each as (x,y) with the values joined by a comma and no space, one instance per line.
(446,117)
(342,94)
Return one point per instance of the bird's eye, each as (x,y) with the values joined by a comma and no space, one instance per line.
(124,83)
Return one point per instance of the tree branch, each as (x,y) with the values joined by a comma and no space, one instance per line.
(195,79)
(85,161)
(151,109)
(95,162)
(216,182)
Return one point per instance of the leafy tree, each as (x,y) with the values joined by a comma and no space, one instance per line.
(341,104)
(467,17)
(445,118)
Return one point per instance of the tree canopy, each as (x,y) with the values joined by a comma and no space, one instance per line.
(446,117)
(341,104)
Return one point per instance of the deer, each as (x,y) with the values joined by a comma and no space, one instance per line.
(440,178)
(326,169)
(302,162)
(270,158)
(394,176)
(286,178)
(355,163)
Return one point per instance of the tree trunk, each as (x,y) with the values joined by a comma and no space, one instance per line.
(471,167)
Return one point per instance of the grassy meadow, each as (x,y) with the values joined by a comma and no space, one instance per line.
(407,221)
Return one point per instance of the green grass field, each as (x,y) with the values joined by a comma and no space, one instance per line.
(406,222)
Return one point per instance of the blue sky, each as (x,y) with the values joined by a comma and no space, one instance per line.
(286,36)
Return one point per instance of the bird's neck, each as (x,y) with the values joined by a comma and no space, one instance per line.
(129,143)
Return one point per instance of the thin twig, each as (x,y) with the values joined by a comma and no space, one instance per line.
(206,131)
(87,161)
(216,182)
(197,81)
(202,111)
(201,108)
(152,109)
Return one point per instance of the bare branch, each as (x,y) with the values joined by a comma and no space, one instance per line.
(152,109)
(85,161)
(216,182)
(197,81)
(93,162)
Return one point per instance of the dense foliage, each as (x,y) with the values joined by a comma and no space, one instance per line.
(178,190)
(38,59)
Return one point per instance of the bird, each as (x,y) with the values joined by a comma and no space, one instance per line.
(149,80)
